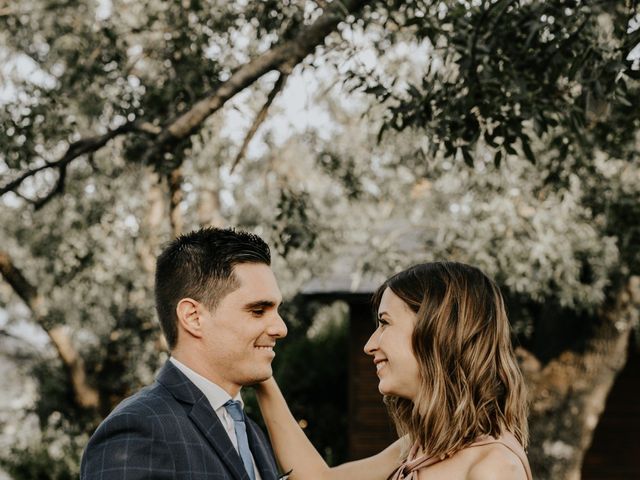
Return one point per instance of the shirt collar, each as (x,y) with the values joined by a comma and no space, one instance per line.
(216,395)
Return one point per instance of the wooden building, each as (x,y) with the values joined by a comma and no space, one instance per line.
(615,451)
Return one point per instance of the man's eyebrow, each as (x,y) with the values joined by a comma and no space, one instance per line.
(260,304)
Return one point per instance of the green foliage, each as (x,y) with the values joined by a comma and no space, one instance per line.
(508,72)
(55,395)
(55,456)
(35,462)
(547,243)
(613,194)
(293,227)
(345,170)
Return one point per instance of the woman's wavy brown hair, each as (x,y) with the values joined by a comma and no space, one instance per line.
(470,383)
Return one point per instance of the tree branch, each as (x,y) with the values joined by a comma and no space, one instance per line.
(5,333)
(75,150)
(147,244)
(20,284)
(57,190)
(262,115)
(85,395)
(283,57)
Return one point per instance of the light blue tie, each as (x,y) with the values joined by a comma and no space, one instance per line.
(235,410)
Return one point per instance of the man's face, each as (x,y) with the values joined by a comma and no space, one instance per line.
(239,335)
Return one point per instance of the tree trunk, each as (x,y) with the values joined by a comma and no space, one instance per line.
(175,199)
(568,394)
(149,243)
(153,221)
(85,395)
(209,214)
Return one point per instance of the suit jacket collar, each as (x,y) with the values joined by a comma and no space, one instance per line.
(206,420)
(178,384)
(203,416)
(216,395)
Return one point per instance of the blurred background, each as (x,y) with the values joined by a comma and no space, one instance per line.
(358,138)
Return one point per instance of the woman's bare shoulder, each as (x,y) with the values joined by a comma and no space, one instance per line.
(497,463)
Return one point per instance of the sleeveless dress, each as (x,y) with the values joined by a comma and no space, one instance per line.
(409,469)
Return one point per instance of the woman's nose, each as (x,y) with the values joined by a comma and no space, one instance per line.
(372,344)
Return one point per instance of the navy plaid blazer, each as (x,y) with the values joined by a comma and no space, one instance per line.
(169,430)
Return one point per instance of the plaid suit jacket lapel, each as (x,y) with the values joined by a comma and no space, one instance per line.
(203,417)
(209,424)
(261,454)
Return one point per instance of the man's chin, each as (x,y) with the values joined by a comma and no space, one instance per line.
(259,378)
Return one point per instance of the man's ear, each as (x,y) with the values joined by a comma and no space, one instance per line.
(188,311)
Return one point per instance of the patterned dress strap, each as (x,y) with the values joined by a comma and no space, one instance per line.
(409,469)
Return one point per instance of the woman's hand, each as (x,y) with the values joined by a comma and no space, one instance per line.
(295,452)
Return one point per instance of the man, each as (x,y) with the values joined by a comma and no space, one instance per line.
(217,301)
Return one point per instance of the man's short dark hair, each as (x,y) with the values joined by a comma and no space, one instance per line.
(199,265)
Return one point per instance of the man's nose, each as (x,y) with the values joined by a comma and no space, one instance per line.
(278,328)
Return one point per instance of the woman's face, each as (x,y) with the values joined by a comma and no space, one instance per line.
(390,347)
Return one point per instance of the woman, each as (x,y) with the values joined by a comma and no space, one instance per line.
(443,354)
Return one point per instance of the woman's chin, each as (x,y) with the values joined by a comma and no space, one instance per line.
(387,390)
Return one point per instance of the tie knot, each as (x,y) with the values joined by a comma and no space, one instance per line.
(234,407)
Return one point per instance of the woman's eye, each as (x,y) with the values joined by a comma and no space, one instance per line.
(382,323)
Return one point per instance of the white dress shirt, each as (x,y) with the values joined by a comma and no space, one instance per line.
(217,397)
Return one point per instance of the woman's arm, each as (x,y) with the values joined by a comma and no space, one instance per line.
(295,452)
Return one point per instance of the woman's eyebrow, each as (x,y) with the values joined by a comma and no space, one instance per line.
(381,314)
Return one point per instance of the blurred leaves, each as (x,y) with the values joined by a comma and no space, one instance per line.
(294,227)
(496,68)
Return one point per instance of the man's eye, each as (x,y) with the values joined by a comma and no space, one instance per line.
(258,312)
